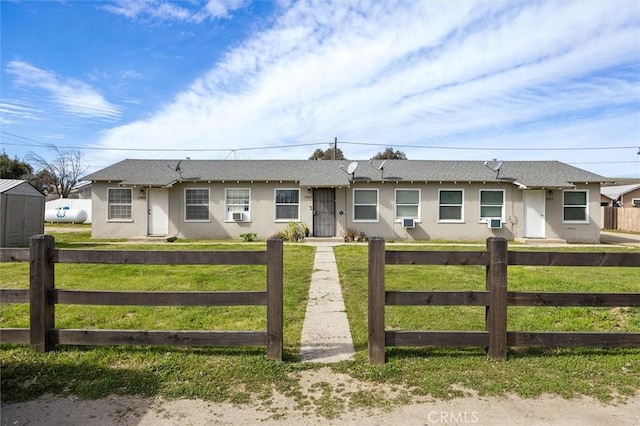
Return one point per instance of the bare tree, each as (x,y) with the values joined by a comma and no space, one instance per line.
(64,169)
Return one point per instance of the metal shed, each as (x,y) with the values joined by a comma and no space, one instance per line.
(21,212)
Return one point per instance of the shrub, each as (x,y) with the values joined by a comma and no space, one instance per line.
(294,232)
(349,234)
(248,237)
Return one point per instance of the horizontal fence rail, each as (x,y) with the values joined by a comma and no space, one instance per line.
(496,339)
(42,297)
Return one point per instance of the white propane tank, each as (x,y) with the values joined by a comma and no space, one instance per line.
(65,215)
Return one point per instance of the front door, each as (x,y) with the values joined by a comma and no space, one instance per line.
(158,209)
(324,212)
(534,221)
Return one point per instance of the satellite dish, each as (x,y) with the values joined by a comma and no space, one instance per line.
(352,167)
(494,165)
(381,166)
(177,168)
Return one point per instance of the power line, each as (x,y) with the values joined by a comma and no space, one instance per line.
(605,162)
(91,148)
(476,148)
(466,148)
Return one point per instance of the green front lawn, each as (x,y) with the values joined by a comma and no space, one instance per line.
(219,374)
(529,372)
(241,374)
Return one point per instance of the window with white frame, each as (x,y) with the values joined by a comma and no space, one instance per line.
(635,202)
(119,203)
(237,204)
(287,204)
(407,204)
(196,204)
(450,205)
(491,204)
(365,205)
(575,206)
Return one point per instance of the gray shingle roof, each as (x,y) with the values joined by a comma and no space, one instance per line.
(530,174)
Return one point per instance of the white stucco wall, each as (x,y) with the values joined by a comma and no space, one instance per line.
(262,213)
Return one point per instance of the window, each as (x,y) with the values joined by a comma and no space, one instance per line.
(196,204)
(119,202)
(237,201)
(407,203)
(450,205)
(491,204)
(287,204)
(575,206)
(635,202)
(365,205)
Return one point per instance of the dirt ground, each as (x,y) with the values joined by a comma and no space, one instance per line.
(469,410)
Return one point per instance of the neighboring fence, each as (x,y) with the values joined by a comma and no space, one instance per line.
(621,218)
(43,296)
(73,204)
(496,299)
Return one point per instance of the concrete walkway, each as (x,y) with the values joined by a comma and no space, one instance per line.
(619,238)
(326,336)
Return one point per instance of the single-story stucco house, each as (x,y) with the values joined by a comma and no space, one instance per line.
(394,199)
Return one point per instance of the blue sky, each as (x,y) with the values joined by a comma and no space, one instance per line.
(218,79)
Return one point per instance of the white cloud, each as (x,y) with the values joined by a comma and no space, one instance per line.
(131,75)
(13,111)
(222,8)
(163,10)
(414,73)
(74,96)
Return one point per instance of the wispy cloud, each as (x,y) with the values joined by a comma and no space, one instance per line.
(415,72)
(74,96)
(163,10)
(12,111)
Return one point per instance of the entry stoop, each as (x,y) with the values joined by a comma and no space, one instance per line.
(323,240)
(540,241)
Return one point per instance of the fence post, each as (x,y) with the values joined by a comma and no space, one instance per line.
(41,280)
(496,314)
(275,326)
(376,301)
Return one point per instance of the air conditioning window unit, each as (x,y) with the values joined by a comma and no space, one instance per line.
(494,223)
(237,216)
(408,223)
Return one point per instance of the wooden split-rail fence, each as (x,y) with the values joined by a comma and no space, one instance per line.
(42,297)
(496,298)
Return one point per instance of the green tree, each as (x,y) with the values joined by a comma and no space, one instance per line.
(390,154)
(327,154)
(43,180)
(13,169)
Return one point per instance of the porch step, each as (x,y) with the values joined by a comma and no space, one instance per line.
(323,240)
(540,241)
(148,239)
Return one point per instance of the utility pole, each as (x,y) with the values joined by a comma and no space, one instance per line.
(335,146)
